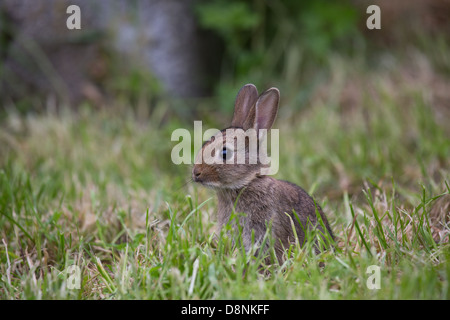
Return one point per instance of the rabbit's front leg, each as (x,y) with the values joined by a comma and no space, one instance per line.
(253,233)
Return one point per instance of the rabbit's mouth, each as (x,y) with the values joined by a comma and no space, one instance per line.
(219,185)
(208,184)
(199,178)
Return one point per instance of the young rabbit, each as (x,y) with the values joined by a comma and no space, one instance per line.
(243,188)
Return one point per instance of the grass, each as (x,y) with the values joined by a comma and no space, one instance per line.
(96,189)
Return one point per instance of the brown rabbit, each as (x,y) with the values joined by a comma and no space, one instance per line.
(241,187)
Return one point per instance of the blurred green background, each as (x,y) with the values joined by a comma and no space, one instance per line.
(139,52)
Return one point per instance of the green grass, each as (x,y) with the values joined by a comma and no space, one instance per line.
(97,189)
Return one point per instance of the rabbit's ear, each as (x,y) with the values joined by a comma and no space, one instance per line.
(245,99)
(266,109)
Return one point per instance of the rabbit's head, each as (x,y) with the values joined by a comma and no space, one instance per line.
(232,158)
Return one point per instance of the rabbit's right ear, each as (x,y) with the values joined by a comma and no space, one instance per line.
(245,100)
(266,109)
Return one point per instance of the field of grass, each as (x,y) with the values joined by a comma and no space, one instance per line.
(97,189)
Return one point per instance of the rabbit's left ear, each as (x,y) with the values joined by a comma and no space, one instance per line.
(245,100)
(266,109)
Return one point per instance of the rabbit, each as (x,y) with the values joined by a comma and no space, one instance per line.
(262,199)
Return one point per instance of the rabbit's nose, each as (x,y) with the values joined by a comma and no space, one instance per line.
(196,173)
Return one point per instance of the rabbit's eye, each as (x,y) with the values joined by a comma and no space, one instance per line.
(226,154)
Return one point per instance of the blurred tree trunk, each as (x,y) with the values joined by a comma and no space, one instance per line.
(40,54)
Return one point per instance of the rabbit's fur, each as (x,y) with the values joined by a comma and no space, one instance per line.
(262,199)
